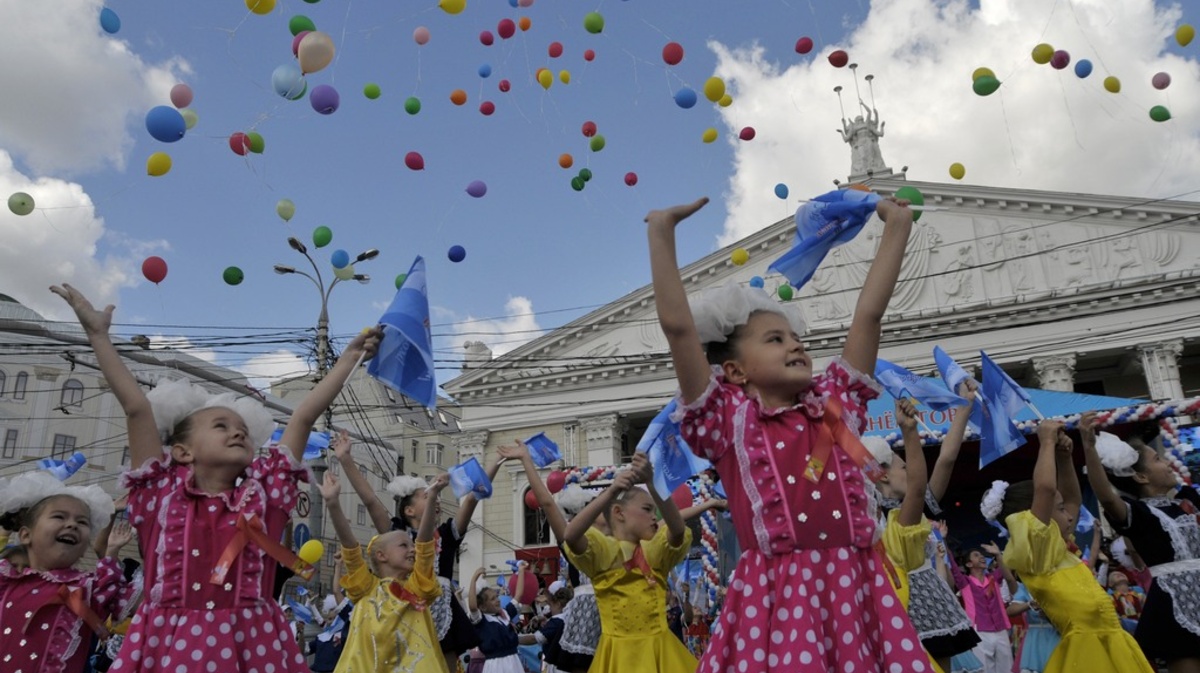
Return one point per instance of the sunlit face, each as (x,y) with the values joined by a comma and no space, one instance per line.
(60,534)
(770,358)
(489,602)
(1155,472)
(394,553)
(977,559)
(218,438)
(1066,522)
(636,515)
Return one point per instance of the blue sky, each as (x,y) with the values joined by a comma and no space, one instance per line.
(538,252)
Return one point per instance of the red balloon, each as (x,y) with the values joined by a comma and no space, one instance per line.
(589,129)
(486,38)
(487,107)
(531,588)
(672,53)
(747,133)
(239,143)
(531,500)
(839,58)
(631,178)
(506,28)
(682,496)
(589,55)
(804,45)
(414,161)
(556,480)
(555,49)
(154,269)
(505,85)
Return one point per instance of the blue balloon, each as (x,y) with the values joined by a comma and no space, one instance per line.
(485,70)
(781,190)
(685,98)
(339,259)
(756,281)
(1083,68)
(512,3)
(289,82)
(165,124)
(457,253)
(109,21)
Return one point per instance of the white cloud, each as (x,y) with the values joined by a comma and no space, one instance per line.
(268,368)
(515,328)
(1044,129)
(72,92)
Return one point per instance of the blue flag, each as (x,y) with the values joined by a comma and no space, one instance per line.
(952,375)
(317,442)
(469,477)
(63,469)
(1002,399)
(542,450)
(673,462)
(822,224)
(901,383)
(405,358)
(301,612)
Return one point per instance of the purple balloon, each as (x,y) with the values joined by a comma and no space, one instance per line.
(477,188)
(1161,81)
(1060,59)
(324,99)
(457,253)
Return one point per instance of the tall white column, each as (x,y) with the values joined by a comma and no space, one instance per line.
(1056,372)
(602,436)
(1160,364)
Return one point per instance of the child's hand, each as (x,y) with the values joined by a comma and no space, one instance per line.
(331,488)
(1048,431)
(93,321)
(1064,445)
(624,480)
(992,549)
(968,390)
(891,209)
(367,342)
(719,504)
(436,486)
(940,527)
(1087,427)
(906,414)
(642,467)
(669,217)
(516,452)
(341,445)
(120,536)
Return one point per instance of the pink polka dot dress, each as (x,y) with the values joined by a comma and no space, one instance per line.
(186,624)
(809,592)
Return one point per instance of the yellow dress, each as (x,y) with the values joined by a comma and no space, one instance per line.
(389,634)
(1081,611)
(633,611)
(905,547)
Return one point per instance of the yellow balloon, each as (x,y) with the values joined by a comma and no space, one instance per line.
(1184,35)
(709,135)
(957,171)
(725,101)
(564,76)
(260,6)
(982,72)
(1042,54)
(453,6)
(545,78)
(1112,84)
(739,256)
(189,117)
(345,273)
(311,552)
(158,164)
(714,89)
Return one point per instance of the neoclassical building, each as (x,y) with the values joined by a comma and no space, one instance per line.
(1068,292)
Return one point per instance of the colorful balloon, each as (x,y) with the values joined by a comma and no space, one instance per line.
(545,78)
(181,95)
(725,101)
(982,72)
(585,174)
(1160,81)
(564,76)
(566,160)
(477,188)
(1184,35)
(452,6)
(344,273)
(1083,68)
(486,38)
(412,105)
(957,171)
(685,98)
(555,49)
(986,85)
(285,209)
(371,90)
(289,82)
(20,203)
(1112,84)
(739,256)
(504,86)
(589,55)
(524,23)
(260,6)
(804,45)
(1159,113)
(301,24)
(914,197)
(400,280)
(421,35)
(414,161)
(589,129)
(485,71)
(322,236)
(165,124)
(785,292)
(457,253)
(838,58)
(315,52)
(340,259)
(631,179)
(1042,54)
(158,164)
(324,99)
(506,28)
(747,133)
(257,143)
(593,23)
(233,275)
(1060,60)
(311,551)
(577,183)
(296,40)
(486,108)
(781,190)
(597,143)
(189,118)
(757,281)
(239,143)
(709,135)
(458,97)
(109,21)
(154,269)
(714,89)
(672,53)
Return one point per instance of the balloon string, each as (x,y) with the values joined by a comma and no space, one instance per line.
(1070,117)
(341,44)
(1008,132)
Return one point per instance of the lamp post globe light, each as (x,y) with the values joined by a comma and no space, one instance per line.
(316,515)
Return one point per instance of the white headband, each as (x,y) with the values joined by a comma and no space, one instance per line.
(719,310)
(30,488)
(1116,456)
(880,450)
(175,400)
(574,498)
(993,500)
(404,485)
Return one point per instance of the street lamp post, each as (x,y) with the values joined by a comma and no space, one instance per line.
(316,518)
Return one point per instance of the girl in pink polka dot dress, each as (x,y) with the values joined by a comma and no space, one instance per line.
(810,593)
(208,515)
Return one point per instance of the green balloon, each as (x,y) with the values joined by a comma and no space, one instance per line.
(785,292)
(413,105)
(585,174)
(986,85)
(597,143)
(300,23)
(400,280)
(577,183)
(233,276)
(593,22)
(1159,113)
(189,117)
(322,236)
(913,196)
(372,91)
(257,144)
(20,203)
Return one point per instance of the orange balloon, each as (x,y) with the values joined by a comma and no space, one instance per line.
(566,160)
(858,186)
(524,23)
(458,96)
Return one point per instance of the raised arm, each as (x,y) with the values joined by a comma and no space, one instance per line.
(295,434)
(472,594)
(429,517)
(689,513)
(669,510)
(1114,507)
(1045,471)
(338,571)
(862,341)
(380,516)
(943,467)
(913,504)
(554,515)
(1068,480)
(575,535)
(670,299)
(144,442)
(1001,571)
(119,533)
(522,566)
(466,508)
(331,491)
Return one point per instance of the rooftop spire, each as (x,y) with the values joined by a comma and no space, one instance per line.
(863,134)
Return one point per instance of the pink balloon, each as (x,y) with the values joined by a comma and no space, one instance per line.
(1061,59)
(1161,80)
(631,178)
(486,38)
(747,133)
(589,55)
(296,42)
(181,95)
(414,161)
(487,107)
(506,28)
(555,49)
(421,35)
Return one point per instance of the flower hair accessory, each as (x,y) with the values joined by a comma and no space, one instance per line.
(880,450)
(28,489)
(574,498)
(718,311)
(1116,456)
(993,500)
(404,485)
(175,400)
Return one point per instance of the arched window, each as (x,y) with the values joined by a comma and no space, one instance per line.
(72,393)
(19,386)
(537,527)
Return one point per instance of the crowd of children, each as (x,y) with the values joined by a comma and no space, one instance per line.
(840,568)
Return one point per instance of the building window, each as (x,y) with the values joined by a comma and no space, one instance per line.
(362,515)
(330,550)
(19,385)
(537,527)
(72,393)
(64,446)
(3,383)
(433,453)
(416,446)
(10,443)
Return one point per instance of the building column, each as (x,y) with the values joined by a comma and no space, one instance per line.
(472,445)
(602,436)
(1056,372)
(1160,364)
